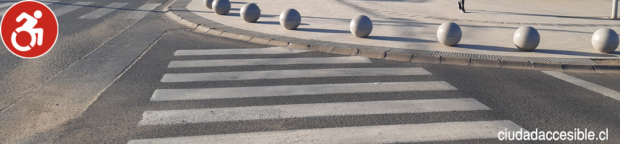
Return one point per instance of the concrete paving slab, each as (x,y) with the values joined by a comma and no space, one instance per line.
(400,26)
(488,25)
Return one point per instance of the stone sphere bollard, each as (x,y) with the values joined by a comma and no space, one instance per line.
(290,19)
(526,38)
(361,26)
(221,7)
(208,3)
(250,12)
(605,40)
(449,33)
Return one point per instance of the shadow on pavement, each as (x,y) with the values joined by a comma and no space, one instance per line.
(268,15)
(233,14)
(274,22)
(563,52)
(547,51)
(268,22)
(321,30)
(399,39)
(544,15)
(410,1)
(517,26)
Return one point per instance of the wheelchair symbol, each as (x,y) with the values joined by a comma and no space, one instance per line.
(36,34)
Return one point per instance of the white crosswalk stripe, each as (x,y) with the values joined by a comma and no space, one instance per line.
(275,61)
(143,10)
(7,4)
(354,135)
(445,131)
(69,8)
(302,73)
(103,11)
(272,50)
(308,110)
(293,90)
(138,13)
(585,84)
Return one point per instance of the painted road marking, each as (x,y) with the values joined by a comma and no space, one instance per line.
(6,4)
(69,8)
(366,134)
(585,84)
(103,11)
(142,11)
(271,50)
(281,74)
(292,90)
(275,61)
(308,110)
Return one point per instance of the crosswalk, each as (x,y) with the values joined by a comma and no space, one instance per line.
(103,11)
(61,8)
(5,6)
(441,131)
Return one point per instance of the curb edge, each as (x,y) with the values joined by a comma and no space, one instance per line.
(430,59)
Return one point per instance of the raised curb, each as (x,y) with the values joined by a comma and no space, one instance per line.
(517,64)
(326,49)
(298,46)
(607,68)
(187,23)
(543,66)
(201,29)
(215,32)
(259,40)
(398,56)
(242,37)
(577,68)
(433,59)
(478,62)
(345,51)
(463,61)
(425,56)
(277,43)
(371,54)
(228,35)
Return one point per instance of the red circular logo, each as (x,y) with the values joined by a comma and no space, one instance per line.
(29,29)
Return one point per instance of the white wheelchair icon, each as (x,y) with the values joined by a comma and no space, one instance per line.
(36,34)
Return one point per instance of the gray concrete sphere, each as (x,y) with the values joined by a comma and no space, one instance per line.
(290,19)
(361,26)
(221,7)
(250,12)
(605,40)
(449,33)
(526,38)
(208,3)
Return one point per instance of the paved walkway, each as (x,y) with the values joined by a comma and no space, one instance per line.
(565,26)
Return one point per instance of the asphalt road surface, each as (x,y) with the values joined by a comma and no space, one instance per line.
(238,92)
(147,80)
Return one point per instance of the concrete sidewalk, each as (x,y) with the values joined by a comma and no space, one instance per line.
(403,26)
